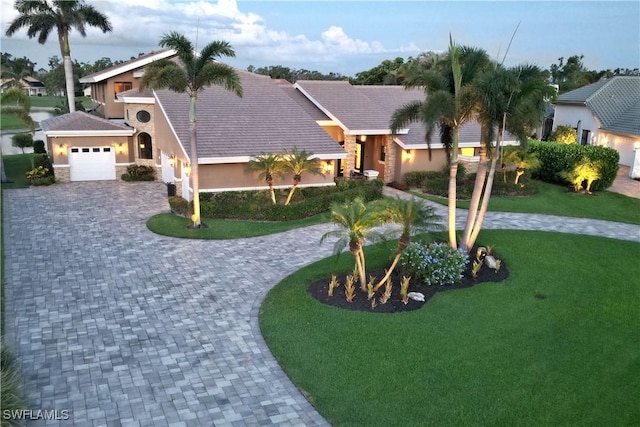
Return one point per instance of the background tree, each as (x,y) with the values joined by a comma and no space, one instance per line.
(22,141)
(299,162)
(16,102)
(194,74)
(40,17)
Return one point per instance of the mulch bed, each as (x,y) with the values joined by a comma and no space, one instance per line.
(319,290)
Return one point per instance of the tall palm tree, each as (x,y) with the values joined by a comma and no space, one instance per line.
(514,102)
(268,165)
(412,216)
(449,104)
(299,162)
(356,222)
(42,16)
(197,71)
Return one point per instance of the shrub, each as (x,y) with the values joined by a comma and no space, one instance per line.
(38,147)
(43,160)
(139,173)
(564,135)
(10,393)
(40,176)
(434,264)
(22,140)
(415,179)
(558,159)
(179,206)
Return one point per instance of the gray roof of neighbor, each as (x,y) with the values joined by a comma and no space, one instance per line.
(80,121)
(615,102)
(266,119)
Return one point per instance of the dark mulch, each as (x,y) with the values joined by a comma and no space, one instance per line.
(319,290)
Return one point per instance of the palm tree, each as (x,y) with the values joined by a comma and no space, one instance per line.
(522,159)
(17,103)
(299,162)
(196,72)
(412,216)
(356,222)
(41,17)
(513,100)
(449,103)
(268,165)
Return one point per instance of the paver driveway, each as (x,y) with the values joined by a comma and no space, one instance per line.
(124,327)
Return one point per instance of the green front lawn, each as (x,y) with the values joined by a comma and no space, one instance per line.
(556,200)
(17,165)
(54,101)
(172,225)
(555,344)
(9,122)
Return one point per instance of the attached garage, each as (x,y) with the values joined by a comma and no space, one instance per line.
(88,148)
(92,163)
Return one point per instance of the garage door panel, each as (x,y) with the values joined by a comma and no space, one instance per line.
(92,163)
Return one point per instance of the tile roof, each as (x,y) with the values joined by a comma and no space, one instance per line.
(79,121)
(266,119)
(615,102)
(126,66)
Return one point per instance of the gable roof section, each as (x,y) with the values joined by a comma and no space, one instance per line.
(615,102)
(232,129)
(351,108)
(127,66)
(80,123)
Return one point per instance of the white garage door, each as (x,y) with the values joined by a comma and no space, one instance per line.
(92,163)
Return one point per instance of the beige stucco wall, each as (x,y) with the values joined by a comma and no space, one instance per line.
(418,161)
(236,176)
(104,93)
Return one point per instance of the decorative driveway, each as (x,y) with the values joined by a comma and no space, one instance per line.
(122,327)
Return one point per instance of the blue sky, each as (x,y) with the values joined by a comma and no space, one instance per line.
(352,36)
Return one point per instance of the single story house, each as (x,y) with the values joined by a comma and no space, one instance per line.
(604,113)
(345,126)
(30,85)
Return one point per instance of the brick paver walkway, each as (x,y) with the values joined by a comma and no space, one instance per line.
(123,327)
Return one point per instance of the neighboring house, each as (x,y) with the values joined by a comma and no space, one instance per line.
(345,126)
(31,86)
(604,113)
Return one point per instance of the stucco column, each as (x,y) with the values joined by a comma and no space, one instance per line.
(350,160)
(389,160)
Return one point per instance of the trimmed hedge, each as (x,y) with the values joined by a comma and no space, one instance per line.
(557,158)
(139,173)
(257,205)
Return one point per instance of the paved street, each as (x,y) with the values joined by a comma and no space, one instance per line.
(123,327)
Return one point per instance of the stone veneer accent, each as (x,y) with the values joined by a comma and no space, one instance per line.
(349,161)
(63,174)
(389,160)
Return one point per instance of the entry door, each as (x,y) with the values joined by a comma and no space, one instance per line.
(358,166)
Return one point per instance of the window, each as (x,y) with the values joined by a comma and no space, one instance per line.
(383,153)
(585,137)
(121,87)
(145,148)
(143,116)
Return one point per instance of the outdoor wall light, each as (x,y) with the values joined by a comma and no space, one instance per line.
(61,150)
(328,166)
(120,148)
(172,160)
(363,138)
(408,154)
(187,169)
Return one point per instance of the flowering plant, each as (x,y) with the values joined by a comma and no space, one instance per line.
(433,264)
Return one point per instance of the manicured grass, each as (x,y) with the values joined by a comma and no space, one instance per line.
(16,166)
(9,122)
(53,101)
(555,344)
(556,200)
(172,225)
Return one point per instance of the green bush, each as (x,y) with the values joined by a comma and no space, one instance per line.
(179,206)
(139,173)
(415,179)
(129,178)
(308,201)
(433,264)
(43,160)
(564,135)
(557,159)
(10,392)
(38,147)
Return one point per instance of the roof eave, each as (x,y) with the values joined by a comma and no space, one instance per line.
(63,133)
(97,78)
